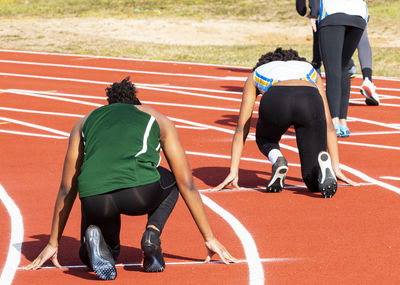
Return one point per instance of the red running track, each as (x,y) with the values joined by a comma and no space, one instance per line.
(294,237)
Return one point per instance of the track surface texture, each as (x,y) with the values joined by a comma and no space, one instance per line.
(292,237)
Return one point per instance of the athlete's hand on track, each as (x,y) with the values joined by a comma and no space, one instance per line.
(341,176)
(49,252)
(214,246)
(231,180)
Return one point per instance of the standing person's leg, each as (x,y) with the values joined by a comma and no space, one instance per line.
(316,61)
(367,88)
(274,120)
(331,45)
(351,39)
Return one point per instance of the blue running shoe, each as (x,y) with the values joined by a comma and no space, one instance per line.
(345,132)
(338,130)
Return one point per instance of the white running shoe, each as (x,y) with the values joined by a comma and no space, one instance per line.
(327,182)
(368,89)
(277,181)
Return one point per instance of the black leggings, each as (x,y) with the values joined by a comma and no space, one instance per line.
(337,45)
(302,107)
(156,199)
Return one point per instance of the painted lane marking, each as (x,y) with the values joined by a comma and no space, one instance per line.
(125,59)
(230,78)
(390,178)
(139,264)
(390,126)
(39,95)
(142,86)
(35,126)
(256,270)
(31,134)
(17,235)
(370,145)
(40,112)
(370,179)
(87,56)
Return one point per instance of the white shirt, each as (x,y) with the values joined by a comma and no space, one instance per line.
(270,73)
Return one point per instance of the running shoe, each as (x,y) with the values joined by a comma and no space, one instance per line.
(368,89)
(327,182)
(100,257)
(153,260)
(338,130)
(279,170)
(344,131)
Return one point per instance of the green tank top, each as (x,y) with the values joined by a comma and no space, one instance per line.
(121,150)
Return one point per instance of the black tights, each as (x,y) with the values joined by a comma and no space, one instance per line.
(302,107)
(337,45)
(156,199)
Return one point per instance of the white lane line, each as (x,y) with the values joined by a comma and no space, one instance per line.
(370,179)
(386,125)
(139,264)
(57,97)
(251,136)
(86,56)
(390,178)
(125,59)
(40,112)
(139,85)
(256,271)
(370,145)
(17,235)
(31,134)
(230,78)
(374,133)
(35,126)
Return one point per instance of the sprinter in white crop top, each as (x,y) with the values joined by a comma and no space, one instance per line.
(270,73)
(292,95)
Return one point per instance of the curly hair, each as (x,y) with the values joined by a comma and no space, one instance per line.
(279,54)
(122,92)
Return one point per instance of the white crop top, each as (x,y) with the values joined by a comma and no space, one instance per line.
(349,7)
(270,73)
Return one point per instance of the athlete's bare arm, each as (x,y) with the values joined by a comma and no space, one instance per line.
(241,132)
(65,199)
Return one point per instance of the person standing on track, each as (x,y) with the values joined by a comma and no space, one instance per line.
(112,162)
(292,94)
(340,25)
(316,60)
(367,88)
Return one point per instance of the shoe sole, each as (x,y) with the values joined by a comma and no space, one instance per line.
(151,262)
(276,183)
(366,92)
(327,183)
(103,267)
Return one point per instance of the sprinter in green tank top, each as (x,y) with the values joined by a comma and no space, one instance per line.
(112,162)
